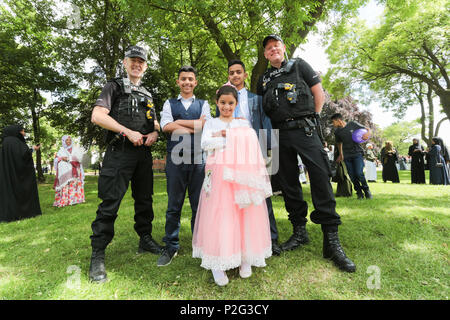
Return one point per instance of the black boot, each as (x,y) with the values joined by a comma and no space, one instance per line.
(299,237)
(332,250)
(276,249)
(360,195)
(368,194)
(97,271)
(147,244)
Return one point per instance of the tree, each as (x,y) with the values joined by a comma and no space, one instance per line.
(238,27)
(409,45)
(29,68)
(401,134)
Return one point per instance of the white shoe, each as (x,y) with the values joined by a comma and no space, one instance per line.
(220,277)
(245,270)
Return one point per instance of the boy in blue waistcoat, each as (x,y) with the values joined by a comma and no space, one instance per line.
(183,119)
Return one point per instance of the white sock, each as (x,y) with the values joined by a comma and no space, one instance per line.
(245,270)
(220,277)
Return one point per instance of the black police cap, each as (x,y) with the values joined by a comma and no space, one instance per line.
(136,52)
(269,37)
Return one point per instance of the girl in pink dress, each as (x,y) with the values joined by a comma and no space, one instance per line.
(232,226)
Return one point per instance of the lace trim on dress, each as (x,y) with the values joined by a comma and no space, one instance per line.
(246,179)
(245,199)
(227,263)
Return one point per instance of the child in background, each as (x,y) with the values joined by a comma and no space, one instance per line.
(232,226)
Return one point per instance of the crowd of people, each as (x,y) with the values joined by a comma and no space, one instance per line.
(435,159)
(222,163)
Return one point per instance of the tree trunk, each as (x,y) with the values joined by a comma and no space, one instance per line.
(438,126)
(36,134)
(259,68)
(423,119)
(431,114)
(444,97)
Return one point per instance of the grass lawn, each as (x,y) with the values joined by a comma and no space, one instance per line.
(398,241)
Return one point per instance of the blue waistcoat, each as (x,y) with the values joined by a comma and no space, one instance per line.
(192,113)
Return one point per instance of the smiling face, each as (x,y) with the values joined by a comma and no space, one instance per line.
(135,67)
(187,83)
(68,141)
(274,52)
(226,104)
(237,75)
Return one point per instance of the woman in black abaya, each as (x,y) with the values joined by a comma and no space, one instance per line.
(438,167)
(389,159)
(19,197)
(417,162)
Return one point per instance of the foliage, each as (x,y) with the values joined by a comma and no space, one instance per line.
(401,134)
(409,46)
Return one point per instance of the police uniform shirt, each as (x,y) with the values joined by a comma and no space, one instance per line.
(166,113)
(344,136)
(306,71)
(109,92)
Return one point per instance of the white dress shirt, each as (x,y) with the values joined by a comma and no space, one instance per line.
(243,103)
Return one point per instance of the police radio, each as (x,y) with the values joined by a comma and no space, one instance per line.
(291,95)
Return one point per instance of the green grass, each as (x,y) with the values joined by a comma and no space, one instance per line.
(403,231)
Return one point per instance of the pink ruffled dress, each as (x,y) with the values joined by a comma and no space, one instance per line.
(232,224)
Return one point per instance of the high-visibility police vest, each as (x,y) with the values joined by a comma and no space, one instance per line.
(133,108)
(286,95)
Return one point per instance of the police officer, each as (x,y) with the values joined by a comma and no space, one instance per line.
(292,99)
(125,108)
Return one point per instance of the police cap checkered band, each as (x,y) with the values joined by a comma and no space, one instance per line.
(135,51)
(271,36)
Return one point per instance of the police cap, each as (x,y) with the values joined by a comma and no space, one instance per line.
(136,52)
(271,36)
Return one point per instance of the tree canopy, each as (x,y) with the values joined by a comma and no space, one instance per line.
(408,48)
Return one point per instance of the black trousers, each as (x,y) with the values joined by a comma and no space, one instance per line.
(310,149)
(120,166)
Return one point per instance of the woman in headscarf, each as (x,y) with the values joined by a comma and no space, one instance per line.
(438,167)
(69,180)
(19,198)
(389,158)
(371,167)
(417,162)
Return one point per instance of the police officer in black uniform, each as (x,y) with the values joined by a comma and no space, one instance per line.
(125,108)
(292,98)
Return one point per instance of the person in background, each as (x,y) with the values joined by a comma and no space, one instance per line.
(416,152)
(69,178)
(438,168)
(389,160)
(351,153)
(371,166)
(19,197)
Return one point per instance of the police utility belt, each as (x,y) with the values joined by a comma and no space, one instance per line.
(306,122)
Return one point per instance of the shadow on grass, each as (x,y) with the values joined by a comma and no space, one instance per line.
(402,235)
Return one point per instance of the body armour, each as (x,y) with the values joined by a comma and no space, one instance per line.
(286,94)
(133,108)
